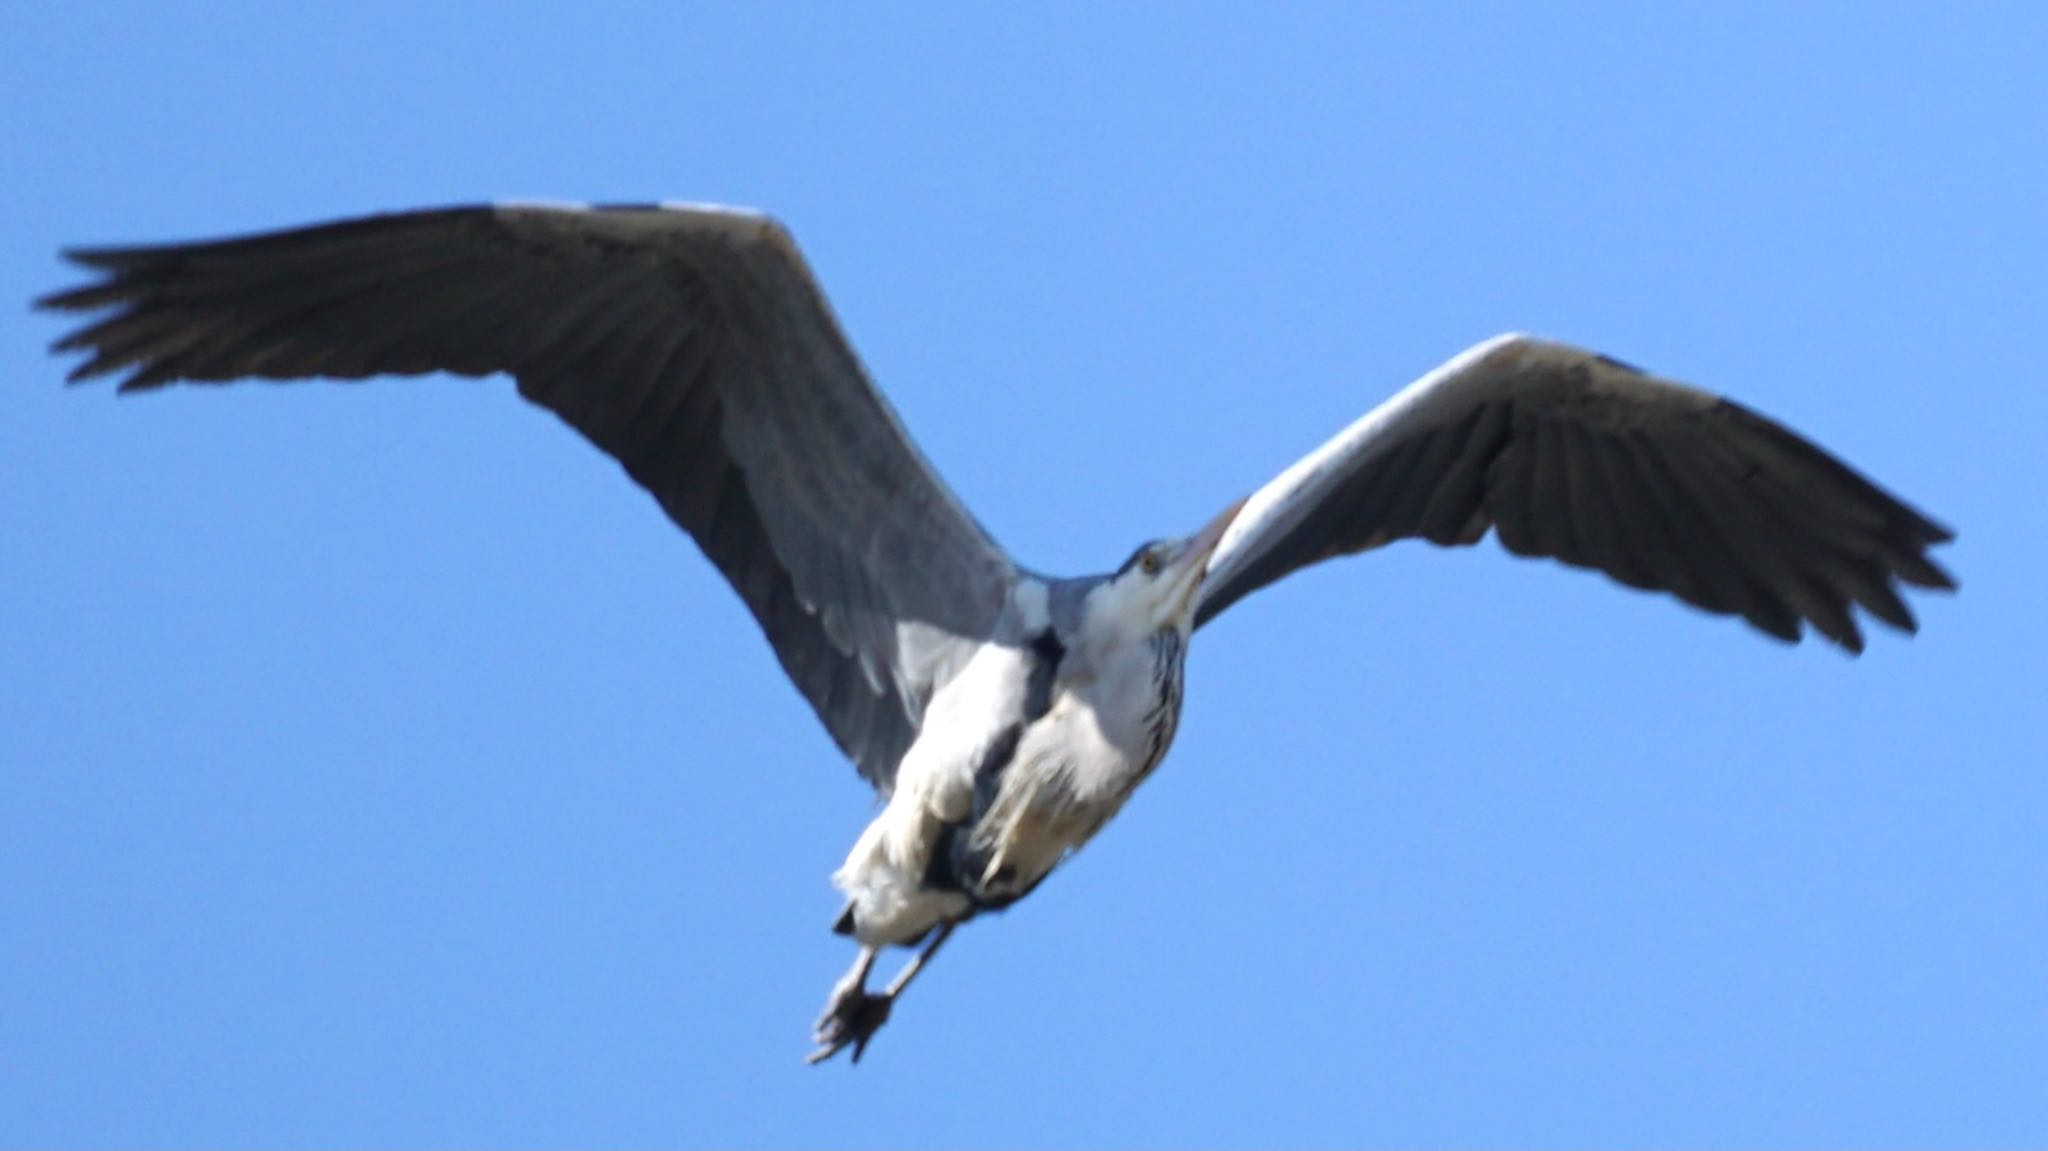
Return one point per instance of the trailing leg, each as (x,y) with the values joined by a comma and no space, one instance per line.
(853,1014)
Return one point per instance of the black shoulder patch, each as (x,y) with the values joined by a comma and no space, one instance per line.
(1046,668)
(1001,750)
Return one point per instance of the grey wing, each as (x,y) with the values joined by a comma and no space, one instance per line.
(692,344)
(1569,454)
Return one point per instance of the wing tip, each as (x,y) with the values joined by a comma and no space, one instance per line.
(100,257)
(82,298)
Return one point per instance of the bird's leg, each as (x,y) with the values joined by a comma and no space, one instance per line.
(853,1014)
(918,961)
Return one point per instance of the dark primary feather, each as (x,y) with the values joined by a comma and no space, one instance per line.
(690,344)
(1575,456)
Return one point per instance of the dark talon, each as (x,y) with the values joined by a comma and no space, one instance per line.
(852,1018)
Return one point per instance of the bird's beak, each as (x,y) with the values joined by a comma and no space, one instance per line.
(1193,561)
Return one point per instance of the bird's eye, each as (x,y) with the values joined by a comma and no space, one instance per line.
(1151,562)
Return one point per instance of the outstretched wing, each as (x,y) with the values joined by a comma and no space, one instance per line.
(692,344)
(1569,454)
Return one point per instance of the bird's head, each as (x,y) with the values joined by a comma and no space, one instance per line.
(1157,586)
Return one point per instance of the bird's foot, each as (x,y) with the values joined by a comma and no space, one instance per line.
(852,1016)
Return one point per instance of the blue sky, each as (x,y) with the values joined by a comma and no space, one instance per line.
(381,768)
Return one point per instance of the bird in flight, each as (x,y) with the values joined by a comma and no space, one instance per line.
(1002,715)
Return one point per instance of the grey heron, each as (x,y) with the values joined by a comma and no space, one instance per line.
(1002,715)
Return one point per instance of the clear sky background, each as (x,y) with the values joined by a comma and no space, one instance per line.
(380,767)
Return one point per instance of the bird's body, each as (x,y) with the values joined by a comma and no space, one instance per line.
(1003,716)
(1023,756)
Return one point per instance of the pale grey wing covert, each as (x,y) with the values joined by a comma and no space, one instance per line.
(1572,455)
(692,344)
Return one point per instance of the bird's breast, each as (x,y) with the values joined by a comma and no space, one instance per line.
(1108,724)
